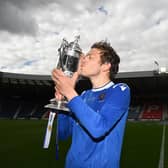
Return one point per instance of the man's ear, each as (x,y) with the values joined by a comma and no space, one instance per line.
(106,67)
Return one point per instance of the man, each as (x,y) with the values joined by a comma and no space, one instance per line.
(98,117)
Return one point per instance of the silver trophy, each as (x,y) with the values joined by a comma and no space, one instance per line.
(69,54)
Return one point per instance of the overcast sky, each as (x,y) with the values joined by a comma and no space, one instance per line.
(31,31)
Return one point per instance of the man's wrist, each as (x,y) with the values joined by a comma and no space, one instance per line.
(71,95)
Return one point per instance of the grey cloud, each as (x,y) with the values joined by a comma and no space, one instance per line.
(77,6)
(28,4)
(16,16)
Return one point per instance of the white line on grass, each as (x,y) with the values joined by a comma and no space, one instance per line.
(161,161)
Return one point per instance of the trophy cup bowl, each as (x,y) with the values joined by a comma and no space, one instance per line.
(69,54)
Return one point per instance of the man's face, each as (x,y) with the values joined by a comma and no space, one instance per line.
(91,63)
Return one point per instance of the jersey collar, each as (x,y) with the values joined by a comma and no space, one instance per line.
(106,86)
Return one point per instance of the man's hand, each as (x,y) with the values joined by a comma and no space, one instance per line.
(64,85)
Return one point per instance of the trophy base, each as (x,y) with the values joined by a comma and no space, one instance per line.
(57,105)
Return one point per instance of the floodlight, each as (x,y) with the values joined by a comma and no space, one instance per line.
(162,69)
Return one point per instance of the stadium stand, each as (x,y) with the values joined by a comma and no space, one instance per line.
(153,111)
(8,108)
(24,96)
(134,112)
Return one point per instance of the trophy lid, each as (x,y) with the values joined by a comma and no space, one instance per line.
(74,45)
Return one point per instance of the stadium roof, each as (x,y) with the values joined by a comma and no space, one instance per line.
(27,86)
(148,83)
(24,78)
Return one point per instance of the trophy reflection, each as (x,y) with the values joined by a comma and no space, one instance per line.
(69,54)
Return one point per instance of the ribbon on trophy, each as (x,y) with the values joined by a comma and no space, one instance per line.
(49,130)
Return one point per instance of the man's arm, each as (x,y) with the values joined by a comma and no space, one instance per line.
(99,123)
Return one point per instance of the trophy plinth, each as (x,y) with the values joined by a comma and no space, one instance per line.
(69,54)
(57,105)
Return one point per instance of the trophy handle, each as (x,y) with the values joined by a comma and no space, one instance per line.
(61,54)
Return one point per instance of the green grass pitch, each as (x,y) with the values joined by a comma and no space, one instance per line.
(21,144)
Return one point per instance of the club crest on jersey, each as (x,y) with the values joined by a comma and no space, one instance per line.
(102,96)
